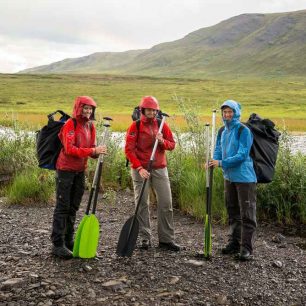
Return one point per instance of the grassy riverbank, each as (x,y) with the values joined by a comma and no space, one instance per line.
(283,201)
(29,98)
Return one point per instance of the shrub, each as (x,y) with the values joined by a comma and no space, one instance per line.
(32,185)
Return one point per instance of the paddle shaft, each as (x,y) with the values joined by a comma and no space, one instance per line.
(211,170)
(209,186)
(145,181)
(207,161)
(93,196)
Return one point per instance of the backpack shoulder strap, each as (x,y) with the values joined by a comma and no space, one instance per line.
(220,131)
(137,124)
(74,123)
(241,127)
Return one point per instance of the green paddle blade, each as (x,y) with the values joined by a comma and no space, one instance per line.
(207,238)
(77,238)
(89,237)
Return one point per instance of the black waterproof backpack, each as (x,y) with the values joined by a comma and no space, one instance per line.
(137,113)
(264,148)
(48,145)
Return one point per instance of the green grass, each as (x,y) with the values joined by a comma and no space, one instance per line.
(29,98)
(32,185)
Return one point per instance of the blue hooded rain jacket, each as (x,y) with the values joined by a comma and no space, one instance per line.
(233,151)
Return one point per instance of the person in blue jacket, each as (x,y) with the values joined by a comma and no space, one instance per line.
(232,154)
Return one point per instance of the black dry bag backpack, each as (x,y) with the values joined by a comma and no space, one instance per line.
(137,113)
(265,147)
(48,145)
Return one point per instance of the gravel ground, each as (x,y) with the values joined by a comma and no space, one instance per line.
(29,275)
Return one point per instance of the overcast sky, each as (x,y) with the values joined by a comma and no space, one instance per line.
(39,32)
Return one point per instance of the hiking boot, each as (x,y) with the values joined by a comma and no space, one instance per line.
(170,246)
(62,252)
(145,244)
(230,248)
(244,255)
(69,245)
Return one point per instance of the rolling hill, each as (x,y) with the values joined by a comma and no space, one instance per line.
(247,45)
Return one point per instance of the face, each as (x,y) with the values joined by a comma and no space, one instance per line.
(87,111)
(227,113)
(150,112)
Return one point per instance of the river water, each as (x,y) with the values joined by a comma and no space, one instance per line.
(297,142)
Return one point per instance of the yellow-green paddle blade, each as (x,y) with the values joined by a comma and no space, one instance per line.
(89,237)
(77,238)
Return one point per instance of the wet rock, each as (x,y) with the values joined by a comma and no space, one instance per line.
(50,293)
(12,283)
(196,263)
(97,281)
(103,299)
(91,293)
(266,245)
(114,285)
(87,268)
(278,238)
(277,264)
(164,294)
(174,280)
(292,280)
(34,286)
(221,299)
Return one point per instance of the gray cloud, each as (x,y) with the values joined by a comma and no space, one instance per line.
(35,32)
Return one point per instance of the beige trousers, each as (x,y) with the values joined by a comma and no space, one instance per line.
(159,181)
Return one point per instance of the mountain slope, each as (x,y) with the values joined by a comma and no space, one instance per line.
(93,63)
(245,45)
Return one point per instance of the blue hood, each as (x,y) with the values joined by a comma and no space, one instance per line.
(236,107)
(233,150)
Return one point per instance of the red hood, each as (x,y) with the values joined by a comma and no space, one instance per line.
(78,106)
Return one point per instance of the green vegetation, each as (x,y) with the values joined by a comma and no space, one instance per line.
(17,159)
(29,98)
(32,185)
(282,201)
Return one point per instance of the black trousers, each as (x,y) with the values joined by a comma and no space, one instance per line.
(240,200)
(69,191)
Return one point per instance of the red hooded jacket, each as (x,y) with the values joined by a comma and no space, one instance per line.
(139,144)
(78,143)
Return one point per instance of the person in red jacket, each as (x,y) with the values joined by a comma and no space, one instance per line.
(79,143)
(138,150)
